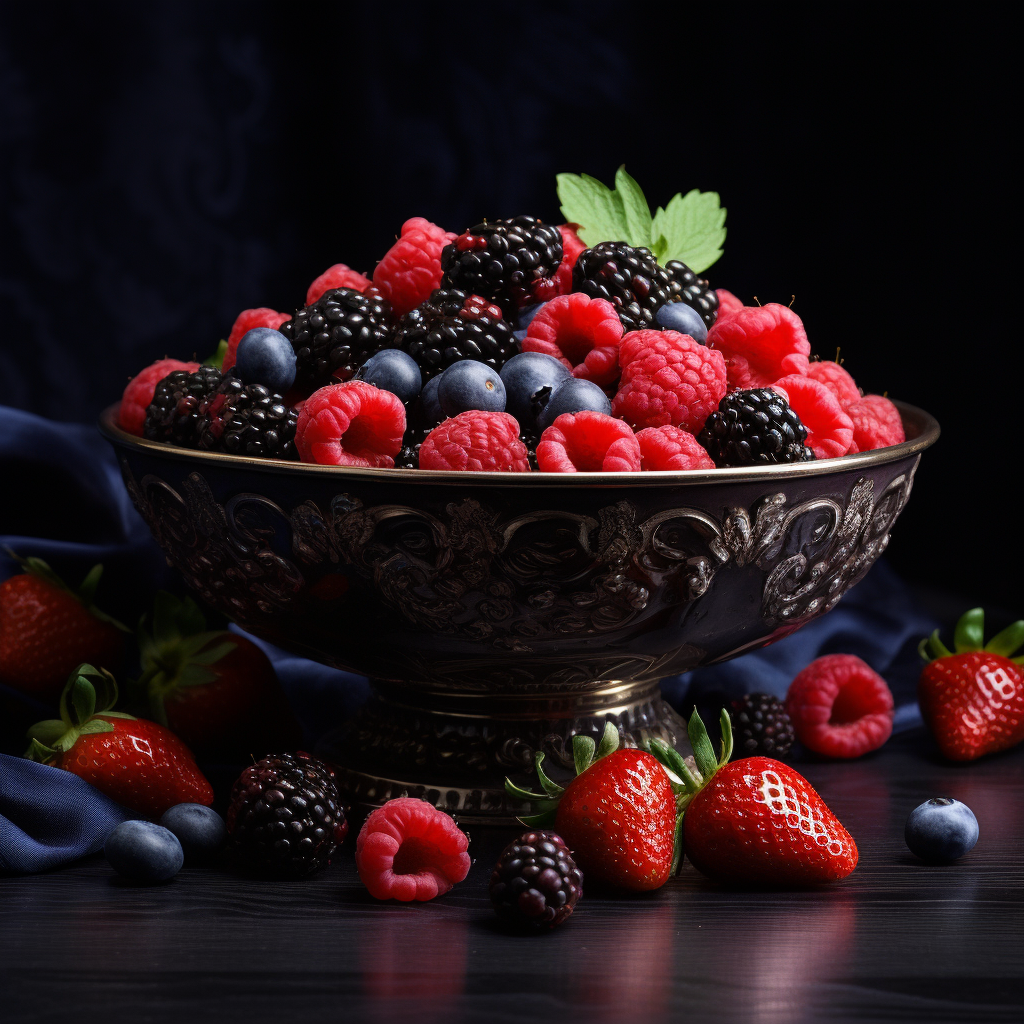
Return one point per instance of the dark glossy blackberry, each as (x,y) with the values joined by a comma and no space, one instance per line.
(755,428)
(246,419)
(531,441)
(761,727)
(686,286)
(334,336)
(536,883)
(452,325)
(285,816)
(512,262)
(628,277)
(408,457)
(173,415)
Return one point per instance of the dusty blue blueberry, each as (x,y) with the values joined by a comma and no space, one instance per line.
(266,357)
(523,376)
(526,314)
(144,852)
(200,830)
(393,370)
(678,316)
(430,407)
(573,395)
(470,384)
(941,829)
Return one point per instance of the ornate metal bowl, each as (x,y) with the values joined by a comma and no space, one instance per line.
(499,614)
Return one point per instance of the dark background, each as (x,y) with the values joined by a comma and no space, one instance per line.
(163,166)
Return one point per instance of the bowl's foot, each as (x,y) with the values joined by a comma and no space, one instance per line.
(451,753)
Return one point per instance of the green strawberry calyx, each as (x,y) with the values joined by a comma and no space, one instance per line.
(969,637)
(177,651)
(89,693)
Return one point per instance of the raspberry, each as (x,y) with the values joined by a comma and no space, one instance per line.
(338,276)
(476,441)
(411,269)
(582,333)
(840,706)
(836,379)
(586,442)
(727,303)
(829,429)
(668,447)
(139,393)
(760,345)
(876,424)
(409,850)
(245,322)
(351,424)
(668,377)
(572,246)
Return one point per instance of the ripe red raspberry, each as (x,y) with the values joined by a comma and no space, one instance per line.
(876,424)
(836,379)
(476,441)
(338,276)
(572,246)
(411,269)
(246,321)
(582,333)
(139,393)
(727,303)
(829,429)
(840,706)
(669,447)
(760,345)
(588,442)
(410,850)
(667,377)
(351,424)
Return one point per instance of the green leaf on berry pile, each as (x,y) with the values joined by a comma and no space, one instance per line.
(635,210)
(595,207)
(691,228)
(217,359)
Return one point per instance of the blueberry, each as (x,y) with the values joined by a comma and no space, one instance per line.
(144,852)
(393,370)
(941,829)
(430,407)
(470,384)
(678,316)
(526,314)
(200,830)
(265,356)
(573,395)
(523,376)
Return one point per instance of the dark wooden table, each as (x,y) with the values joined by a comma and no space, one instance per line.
(897,941)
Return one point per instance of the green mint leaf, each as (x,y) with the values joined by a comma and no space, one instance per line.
(693,228)
(634,208)
(217,358)
(595,207)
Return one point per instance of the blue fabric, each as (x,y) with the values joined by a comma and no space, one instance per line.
(49,817)
(71,509)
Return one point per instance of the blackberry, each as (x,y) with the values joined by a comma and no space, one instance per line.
(453,325)
(246,419)
(628,277)
(335,335)
(173,415)
(536,882)
(408,457)
(285,816)
(512,262)
(761,726)
(686,286)
(755,428)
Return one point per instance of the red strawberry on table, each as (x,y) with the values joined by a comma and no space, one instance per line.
(137,763)
(46,629)
(216,690)
(756,820)
(618,815)
(972,698)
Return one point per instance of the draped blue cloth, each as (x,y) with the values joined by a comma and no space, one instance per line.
(64,502)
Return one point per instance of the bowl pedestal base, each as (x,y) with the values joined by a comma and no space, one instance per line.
(456,750)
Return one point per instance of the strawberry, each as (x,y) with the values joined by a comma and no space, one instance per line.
(755,821)
(618,815)
(217,690)
(46,629)
(972,698)
(140,764)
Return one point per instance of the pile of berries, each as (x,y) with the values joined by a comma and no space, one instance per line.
(514,347)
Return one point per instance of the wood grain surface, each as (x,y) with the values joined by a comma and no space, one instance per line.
(897,941)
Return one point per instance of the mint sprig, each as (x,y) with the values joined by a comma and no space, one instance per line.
(690,228)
